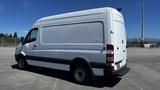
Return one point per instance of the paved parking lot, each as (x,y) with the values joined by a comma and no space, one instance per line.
(144,74)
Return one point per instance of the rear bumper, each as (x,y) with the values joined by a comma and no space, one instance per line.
(122,71)
(119,72)
(108,70)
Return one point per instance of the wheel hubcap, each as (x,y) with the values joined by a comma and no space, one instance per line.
(79,75)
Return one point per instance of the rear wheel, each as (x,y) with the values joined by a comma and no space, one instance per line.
(81,74)
(22,63)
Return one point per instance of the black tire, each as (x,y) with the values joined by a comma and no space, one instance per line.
(22,64)
(81,74)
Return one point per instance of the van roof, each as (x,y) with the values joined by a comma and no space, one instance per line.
(77,13)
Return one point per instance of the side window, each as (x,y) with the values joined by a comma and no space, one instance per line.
(32,35)
(85,33)
(54,34)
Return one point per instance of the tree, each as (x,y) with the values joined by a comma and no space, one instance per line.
(158,43)
(6,34)
(15,35)
(10,35)
(1,35)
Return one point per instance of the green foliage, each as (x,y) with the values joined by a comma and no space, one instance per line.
(15,34)
(7,40)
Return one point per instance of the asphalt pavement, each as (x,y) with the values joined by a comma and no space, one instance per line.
(144,74)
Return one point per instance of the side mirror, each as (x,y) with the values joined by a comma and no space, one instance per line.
(22,39)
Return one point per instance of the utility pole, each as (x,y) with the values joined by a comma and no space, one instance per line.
(142,32)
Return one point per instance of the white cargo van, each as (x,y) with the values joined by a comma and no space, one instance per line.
(88,43)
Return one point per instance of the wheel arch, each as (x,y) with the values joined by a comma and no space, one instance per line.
(81,61)
(20,56)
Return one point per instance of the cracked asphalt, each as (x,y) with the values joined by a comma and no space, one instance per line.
(144,74)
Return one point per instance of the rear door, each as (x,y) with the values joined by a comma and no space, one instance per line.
(120,52)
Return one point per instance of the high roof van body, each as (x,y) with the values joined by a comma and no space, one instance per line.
(88,43)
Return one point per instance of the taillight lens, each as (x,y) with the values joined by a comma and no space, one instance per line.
(110,47)
(110,62)
(110,54)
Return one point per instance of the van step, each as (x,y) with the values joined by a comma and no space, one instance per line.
(123,71)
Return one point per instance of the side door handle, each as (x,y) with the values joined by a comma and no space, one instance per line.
(124,50)
(34,46)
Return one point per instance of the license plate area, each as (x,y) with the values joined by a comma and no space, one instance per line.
(118,65)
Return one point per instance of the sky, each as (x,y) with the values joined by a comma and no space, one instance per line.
(19,15)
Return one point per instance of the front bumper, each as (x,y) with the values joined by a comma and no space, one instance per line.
(16,57)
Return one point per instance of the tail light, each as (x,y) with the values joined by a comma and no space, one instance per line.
(110,54)
(110,47)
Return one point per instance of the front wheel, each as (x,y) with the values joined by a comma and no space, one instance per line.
(81,74)
(22,63)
